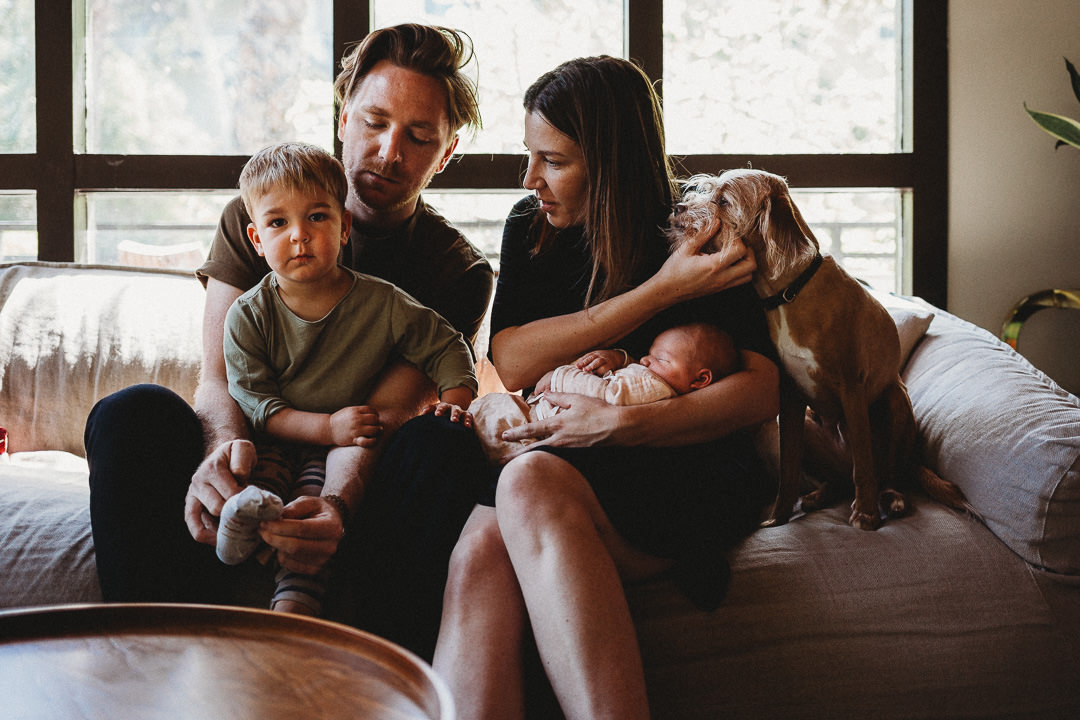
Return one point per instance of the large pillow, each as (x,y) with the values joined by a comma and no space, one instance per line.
(1006,434)
(72,334)
(912,320)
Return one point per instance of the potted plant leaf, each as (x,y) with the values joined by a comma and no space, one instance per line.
(1065,129)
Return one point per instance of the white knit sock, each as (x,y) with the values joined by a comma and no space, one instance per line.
(238,531)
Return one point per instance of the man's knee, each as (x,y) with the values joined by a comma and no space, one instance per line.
(150,411)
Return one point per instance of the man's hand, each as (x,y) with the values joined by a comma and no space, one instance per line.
(583,422)
(306,536)
(216,480)
(355,425)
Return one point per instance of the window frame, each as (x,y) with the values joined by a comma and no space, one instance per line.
(57,172)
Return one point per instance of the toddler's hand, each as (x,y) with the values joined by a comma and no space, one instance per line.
(355,425)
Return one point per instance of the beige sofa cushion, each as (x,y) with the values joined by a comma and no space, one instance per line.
(69,337)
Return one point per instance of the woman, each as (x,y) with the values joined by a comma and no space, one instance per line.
(584,265)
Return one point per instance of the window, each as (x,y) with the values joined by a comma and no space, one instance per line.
(845,98)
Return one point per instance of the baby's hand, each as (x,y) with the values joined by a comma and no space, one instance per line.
(452,411)
(601,362)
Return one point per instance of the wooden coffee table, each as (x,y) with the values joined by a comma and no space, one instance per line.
(200,661)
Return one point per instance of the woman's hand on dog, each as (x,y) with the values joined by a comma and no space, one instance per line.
(690,273)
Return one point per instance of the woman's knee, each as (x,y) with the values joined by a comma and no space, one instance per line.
(479,555)
(538,488)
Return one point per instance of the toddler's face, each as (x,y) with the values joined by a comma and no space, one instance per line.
(300,234)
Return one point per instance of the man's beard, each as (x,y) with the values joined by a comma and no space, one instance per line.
(388,202)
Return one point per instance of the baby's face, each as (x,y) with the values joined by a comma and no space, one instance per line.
(670,357)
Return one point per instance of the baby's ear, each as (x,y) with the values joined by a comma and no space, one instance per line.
(702,379)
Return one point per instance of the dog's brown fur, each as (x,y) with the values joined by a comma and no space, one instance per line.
(838,347)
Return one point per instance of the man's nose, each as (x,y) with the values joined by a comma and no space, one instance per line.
(390,145)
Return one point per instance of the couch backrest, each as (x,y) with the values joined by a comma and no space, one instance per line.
(72,334)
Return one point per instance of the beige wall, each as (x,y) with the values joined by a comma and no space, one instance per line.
(1014,202)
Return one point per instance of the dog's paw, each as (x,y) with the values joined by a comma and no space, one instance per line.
(815,500)
(864,521)
(775,520)
(893,503)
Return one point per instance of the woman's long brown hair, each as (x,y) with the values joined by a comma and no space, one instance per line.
(609,108)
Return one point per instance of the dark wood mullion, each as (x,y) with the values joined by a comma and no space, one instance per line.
(930,260)
(153,172)
(812,171)
(352,22)
(645,37)
(55,175)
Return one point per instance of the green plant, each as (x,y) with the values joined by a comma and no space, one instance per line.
(1066,130)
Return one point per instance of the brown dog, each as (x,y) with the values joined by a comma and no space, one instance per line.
(838,348)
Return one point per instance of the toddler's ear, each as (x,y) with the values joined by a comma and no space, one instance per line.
(346,226)
(253,236)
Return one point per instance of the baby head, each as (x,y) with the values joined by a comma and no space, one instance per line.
(690,357)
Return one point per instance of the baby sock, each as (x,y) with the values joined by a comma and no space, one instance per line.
(238,531)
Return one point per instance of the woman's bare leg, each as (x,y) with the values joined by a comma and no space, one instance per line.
(481,639)
(568,559)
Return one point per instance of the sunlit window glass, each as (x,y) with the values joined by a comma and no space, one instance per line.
(207,76)
(515,43)
(18,226)
(782,76)
(149,229)
(479,215)
(17,111)
(862,229)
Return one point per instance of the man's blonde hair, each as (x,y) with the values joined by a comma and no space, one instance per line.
(294,165)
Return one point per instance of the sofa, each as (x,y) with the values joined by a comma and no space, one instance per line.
(940,614)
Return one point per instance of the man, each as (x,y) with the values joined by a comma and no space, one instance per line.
(402,101)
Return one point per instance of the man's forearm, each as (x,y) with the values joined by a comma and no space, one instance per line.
(221,417)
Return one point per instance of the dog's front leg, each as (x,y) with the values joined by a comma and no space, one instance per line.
(864,511)
(792,427)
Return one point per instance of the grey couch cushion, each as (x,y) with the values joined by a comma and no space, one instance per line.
(1006,434)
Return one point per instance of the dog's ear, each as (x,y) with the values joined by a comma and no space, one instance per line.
(786,236)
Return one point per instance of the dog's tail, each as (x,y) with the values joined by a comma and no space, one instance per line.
(939,489)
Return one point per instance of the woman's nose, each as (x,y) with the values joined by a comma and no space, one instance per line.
(532,178)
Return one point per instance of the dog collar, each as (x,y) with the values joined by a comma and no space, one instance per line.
(789,293)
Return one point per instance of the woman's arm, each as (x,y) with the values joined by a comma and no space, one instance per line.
(743,399)
(524,353)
